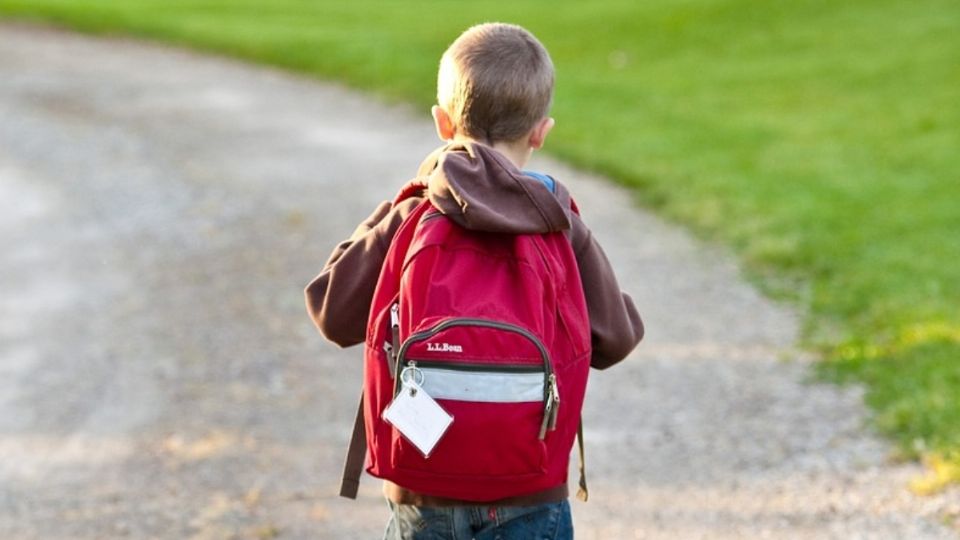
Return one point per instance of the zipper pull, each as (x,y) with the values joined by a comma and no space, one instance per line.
(555,409)
(550,407)
(388,348)
(394,346)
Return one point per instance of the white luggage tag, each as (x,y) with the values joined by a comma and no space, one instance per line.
(416,415)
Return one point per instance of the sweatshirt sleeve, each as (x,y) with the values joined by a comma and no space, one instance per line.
(338,299)
(615,325)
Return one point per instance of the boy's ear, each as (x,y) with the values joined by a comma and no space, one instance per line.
(539,133)
(443,122)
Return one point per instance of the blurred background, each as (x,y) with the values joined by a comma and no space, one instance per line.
(818,140)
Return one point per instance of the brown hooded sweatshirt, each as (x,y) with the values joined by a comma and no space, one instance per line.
(479,189)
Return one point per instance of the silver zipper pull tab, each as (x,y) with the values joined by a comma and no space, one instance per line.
(388,348)
(395,315)
(545,425)
(555,399)
(394,346)
(550,407)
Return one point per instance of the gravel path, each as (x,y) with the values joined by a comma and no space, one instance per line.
(160,212)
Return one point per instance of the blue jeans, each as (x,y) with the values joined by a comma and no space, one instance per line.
(550,521)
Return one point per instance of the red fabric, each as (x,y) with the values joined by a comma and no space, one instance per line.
(439,271)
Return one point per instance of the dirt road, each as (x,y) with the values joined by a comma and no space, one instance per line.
(160,212)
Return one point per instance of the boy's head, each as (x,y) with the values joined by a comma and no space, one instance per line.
(495,85)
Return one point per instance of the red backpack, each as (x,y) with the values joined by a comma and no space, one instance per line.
(497,327)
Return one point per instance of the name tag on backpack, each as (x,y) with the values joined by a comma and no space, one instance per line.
(418,417)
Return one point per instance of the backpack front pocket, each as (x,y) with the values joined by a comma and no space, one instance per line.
(497,382)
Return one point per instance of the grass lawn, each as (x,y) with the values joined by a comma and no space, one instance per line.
(820,139)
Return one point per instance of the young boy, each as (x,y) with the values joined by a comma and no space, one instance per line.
(495,86)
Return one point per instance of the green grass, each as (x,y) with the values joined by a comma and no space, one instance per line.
(820,139)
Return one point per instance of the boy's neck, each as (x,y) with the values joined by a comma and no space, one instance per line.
(518,154)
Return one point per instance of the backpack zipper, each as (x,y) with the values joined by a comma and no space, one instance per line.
(449,323)
(464,366)
(390,347)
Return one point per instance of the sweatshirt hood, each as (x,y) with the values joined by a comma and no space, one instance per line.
(480,189)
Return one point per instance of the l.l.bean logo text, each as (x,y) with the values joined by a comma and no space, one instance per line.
(444,347)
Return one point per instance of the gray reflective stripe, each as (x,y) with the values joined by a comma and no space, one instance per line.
(482,386)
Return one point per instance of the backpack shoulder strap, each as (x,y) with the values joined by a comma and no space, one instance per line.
(582,492)
(356,452)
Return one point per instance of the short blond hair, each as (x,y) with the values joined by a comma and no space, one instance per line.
(496,82)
